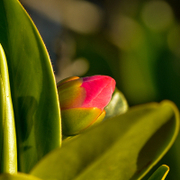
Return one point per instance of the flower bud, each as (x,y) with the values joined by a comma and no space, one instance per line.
(82,101)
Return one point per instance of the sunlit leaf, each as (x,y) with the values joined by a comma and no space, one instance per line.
(33,87)
(8,149)
(121,148)
(18,176)
(160,173)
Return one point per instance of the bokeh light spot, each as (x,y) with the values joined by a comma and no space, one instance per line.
(173,40)
(83,16)
(80,66)
(126,33)
(157,15)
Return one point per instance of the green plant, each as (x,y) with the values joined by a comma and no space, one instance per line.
(126,145)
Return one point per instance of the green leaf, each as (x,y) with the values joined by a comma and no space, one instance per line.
(160,173)
(34,93)
(8,147)
(121,148)
(18,176)
(118,105)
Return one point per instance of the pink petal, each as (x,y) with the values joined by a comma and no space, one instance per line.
(99,91)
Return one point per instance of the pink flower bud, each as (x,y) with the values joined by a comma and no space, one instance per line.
(82,101)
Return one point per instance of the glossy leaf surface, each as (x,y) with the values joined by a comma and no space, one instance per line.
(8,160)
(18,176)
(118,105)
(160,173)
(121,148)
(33,85)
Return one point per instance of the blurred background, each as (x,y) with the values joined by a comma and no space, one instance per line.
(135,41)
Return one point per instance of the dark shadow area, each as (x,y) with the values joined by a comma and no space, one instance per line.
(28,107)
(153,148)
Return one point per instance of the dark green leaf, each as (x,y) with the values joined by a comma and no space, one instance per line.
(121,148)
(33,86)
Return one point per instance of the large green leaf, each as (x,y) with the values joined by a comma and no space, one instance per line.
(33,86)
(18,176)
(160,173)
(121,148)
(8,157)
